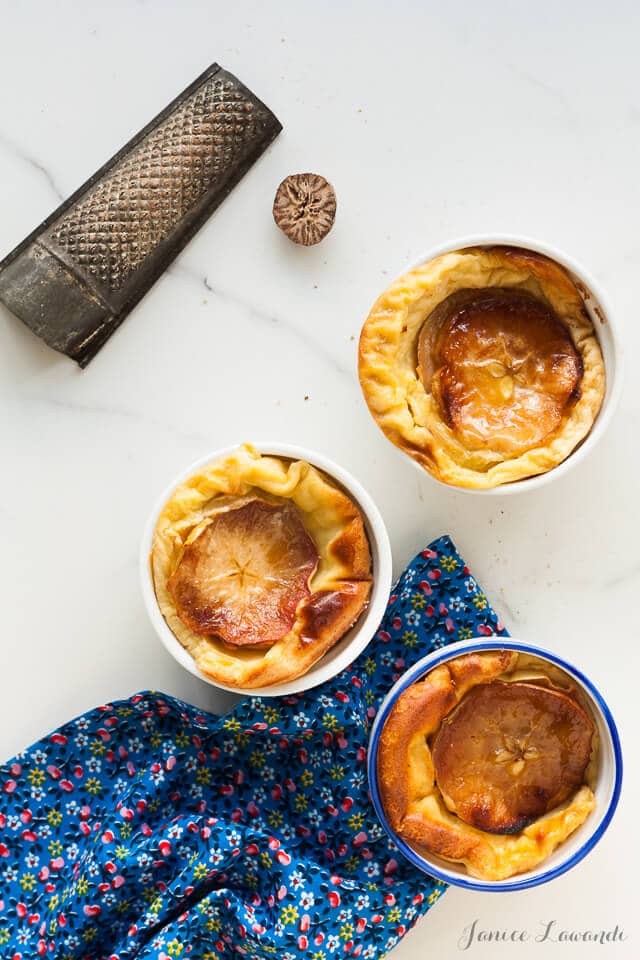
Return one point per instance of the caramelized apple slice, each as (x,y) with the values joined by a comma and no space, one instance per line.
(502,367)
(242,578)
(509,753)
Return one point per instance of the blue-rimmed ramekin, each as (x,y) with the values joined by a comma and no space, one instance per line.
(607,784)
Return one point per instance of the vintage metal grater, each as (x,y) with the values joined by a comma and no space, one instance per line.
(78,275)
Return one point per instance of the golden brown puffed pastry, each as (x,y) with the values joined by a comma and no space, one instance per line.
(433,792)
(260,565)
(483,365)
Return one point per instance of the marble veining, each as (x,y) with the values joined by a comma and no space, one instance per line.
(250,311)
(12,147)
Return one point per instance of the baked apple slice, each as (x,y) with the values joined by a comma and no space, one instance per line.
(501,366)
(242,578)
(509,753)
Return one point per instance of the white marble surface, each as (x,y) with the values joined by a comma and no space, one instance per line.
(433,120)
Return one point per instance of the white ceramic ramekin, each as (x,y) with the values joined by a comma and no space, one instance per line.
(601,315)
(579,843)
(353,642)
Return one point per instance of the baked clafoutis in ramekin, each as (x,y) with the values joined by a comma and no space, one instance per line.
(265,568)
(494,765)
(492,365)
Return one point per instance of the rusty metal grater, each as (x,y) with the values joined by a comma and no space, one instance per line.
(78,275)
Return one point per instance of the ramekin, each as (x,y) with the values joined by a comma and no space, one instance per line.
(601,315)
(578,844)
(353,642)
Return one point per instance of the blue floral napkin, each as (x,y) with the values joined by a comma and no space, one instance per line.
(149,829)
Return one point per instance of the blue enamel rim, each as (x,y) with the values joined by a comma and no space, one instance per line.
(424,666)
